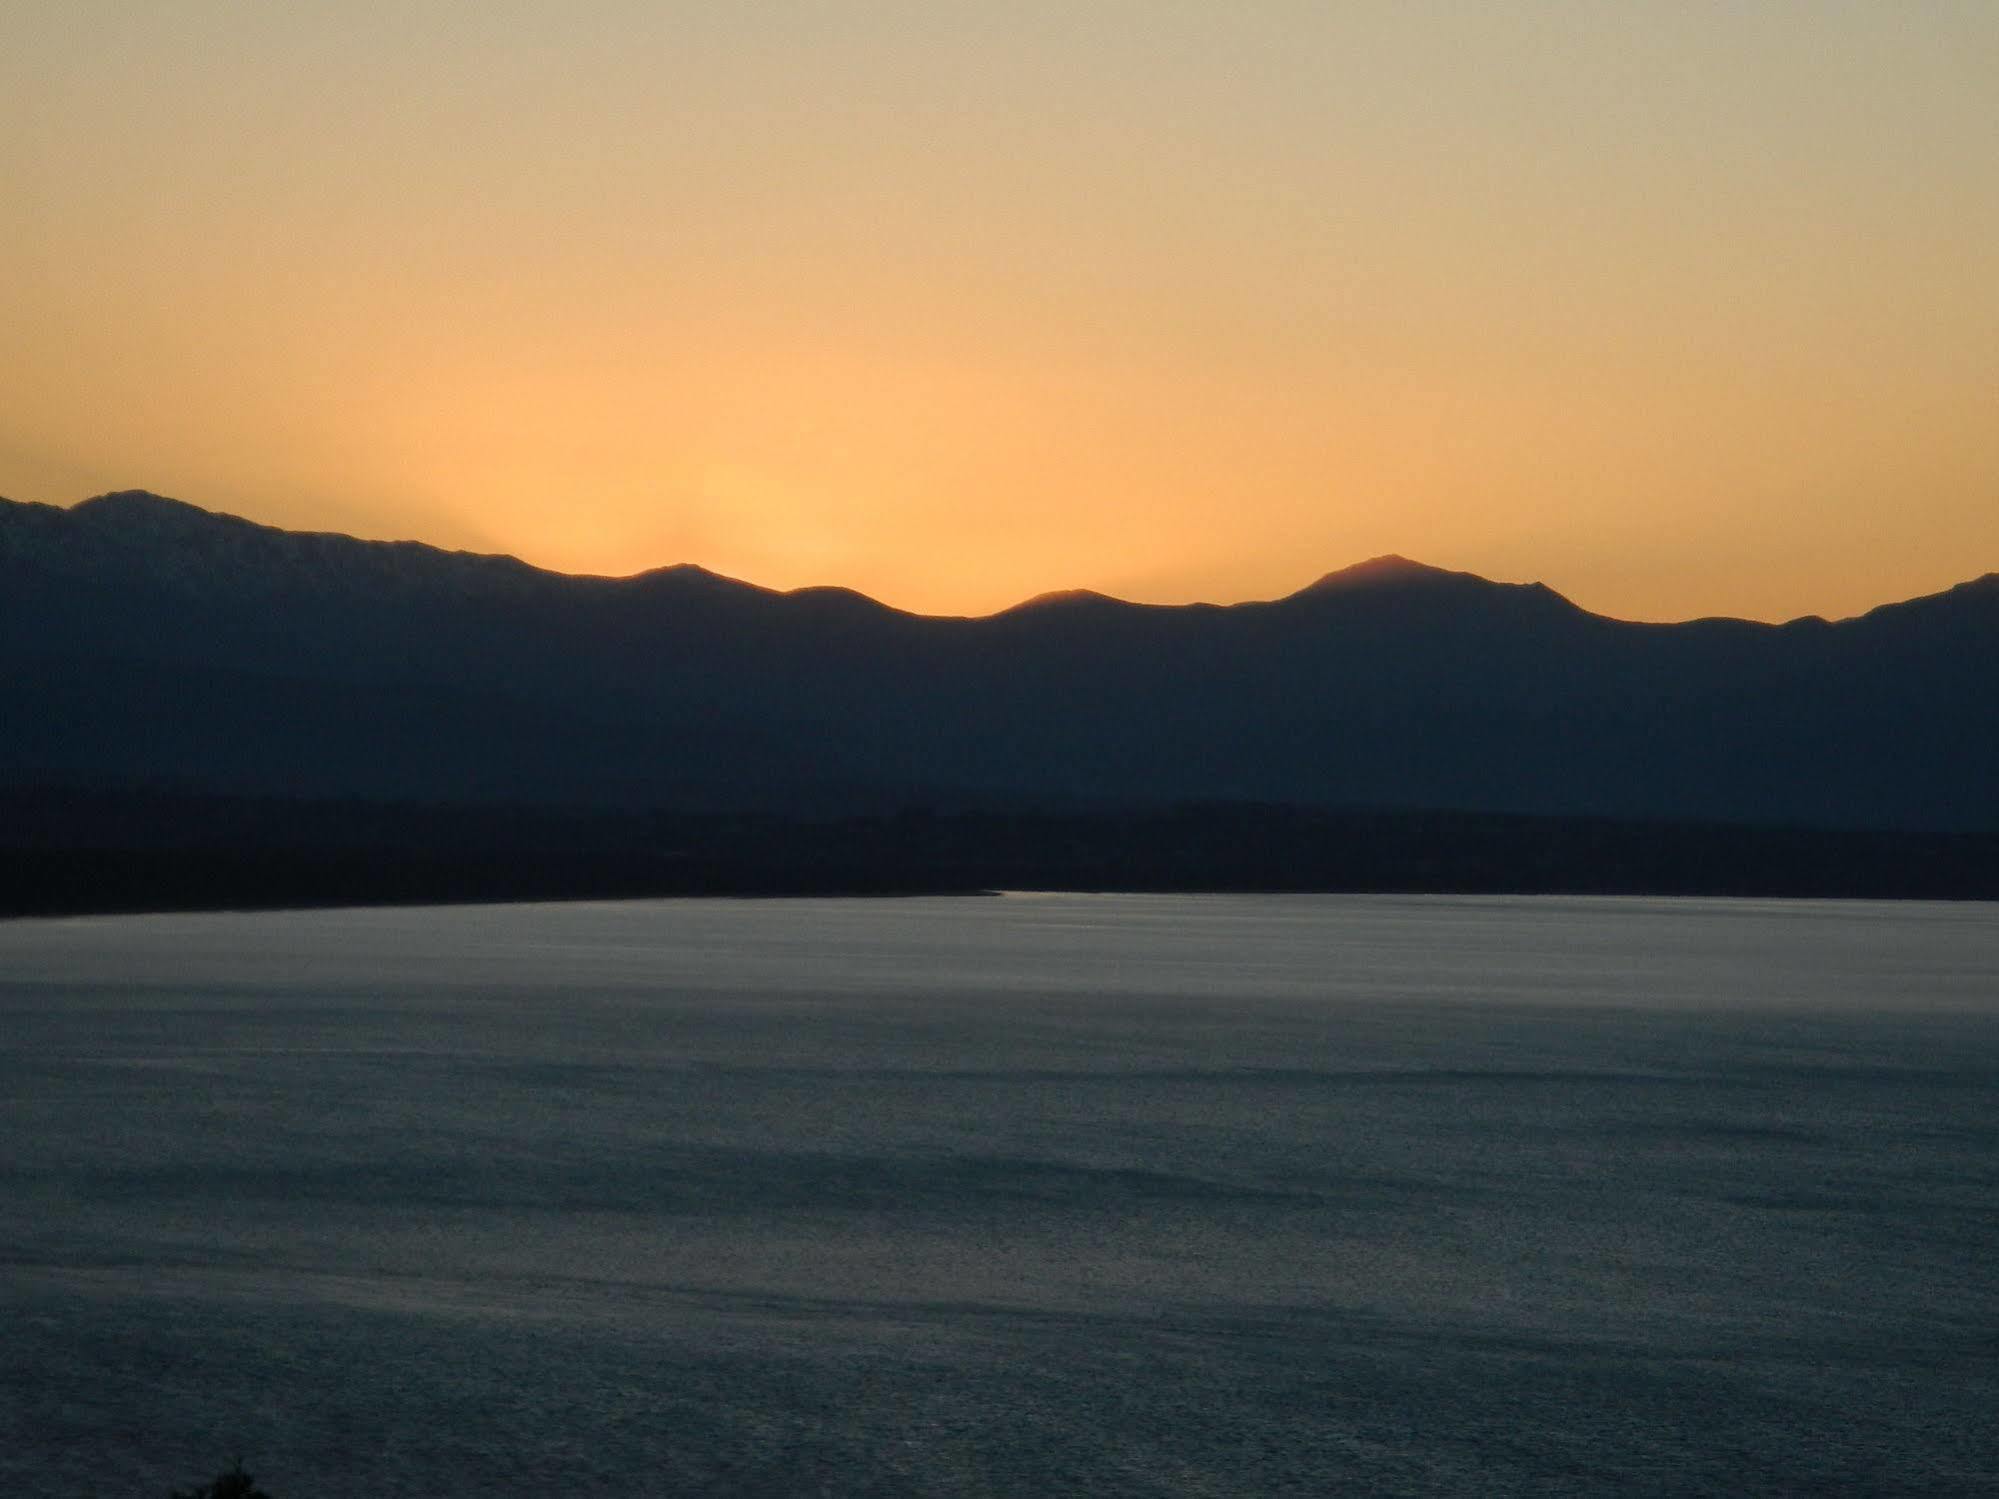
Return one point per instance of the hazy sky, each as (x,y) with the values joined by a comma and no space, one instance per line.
(1682,308)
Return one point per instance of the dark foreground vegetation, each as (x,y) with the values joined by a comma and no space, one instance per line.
(235,1484)
(69,852)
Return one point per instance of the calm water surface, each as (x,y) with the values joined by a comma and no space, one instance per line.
(1033,1195)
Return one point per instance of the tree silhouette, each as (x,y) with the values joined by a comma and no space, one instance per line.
(235,1484)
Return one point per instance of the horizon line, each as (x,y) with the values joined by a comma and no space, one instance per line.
(1384,569)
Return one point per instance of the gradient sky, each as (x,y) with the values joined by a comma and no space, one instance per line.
(1681,308)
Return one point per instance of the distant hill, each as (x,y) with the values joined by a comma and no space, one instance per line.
(146,643)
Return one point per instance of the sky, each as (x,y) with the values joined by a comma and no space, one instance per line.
(1683,309)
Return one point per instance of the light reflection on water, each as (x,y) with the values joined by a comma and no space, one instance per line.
(1034,1194)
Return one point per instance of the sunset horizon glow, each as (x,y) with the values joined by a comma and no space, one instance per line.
(1684,314)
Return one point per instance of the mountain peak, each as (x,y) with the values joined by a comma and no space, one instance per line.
(1388,568)
(691,580)
(138,504)
(684,572)
(1064,598)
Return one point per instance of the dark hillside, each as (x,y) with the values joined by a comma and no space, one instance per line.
(149,643)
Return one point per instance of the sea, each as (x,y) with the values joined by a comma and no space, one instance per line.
(1015,1195)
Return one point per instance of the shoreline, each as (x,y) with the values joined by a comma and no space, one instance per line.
(73,853)
(97,910)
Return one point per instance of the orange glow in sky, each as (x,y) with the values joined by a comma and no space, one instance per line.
(1681,310)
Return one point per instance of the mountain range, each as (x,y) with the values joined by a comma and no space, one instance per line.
(149,643)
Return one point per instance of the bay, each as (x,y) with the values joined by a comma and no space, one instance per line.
(1033,1194)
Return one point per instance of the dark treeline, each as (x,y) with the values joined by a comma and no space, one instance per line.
(72,852)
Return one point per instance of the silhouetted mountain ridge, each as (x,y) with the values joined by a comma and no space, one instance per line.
(150,642)
(1389,569)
